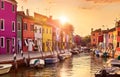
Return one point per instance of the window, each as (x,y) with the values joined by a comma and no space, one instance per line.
(43,30)
(118,44)
(99,33)
(13,8)
(1,24)
(109,36)
(32,27)
(2,4)
(40,30)
(2,42)
(13,26)
(50,31)
(46,30)
(93,40)
(93,34)
(35,29)
(25,26)
(13,41)
(18,26)
(118,33)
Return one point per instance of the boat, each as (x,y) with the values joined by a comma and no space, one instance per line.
(51,60)
(5,68)
(75,51)
(114,62)
(62,56)
(39,63)
(108,72)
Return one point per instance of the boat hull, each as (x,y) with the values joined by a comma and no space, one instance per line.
(39,63)
(5,68)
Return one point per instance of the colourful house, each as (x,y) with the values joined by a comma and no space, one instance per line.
(118,37)
(46,32)
(38,33)
(20,15)
(28,33)
(55,33)
(95,37)
(8,12)
(110,36)
(105,38)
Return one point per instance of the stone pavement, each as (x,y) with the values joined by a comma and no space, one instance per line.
(35,54)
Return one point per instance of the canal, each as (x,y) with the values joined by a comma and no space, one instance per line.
(81,65)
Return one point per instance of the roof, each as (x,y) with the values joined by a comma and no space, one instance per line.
(14,1)
(112,29)
(97,30)
(21,13)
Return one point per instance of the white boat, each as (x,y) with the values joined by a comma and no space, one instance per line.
(39,63)
(65,55)
(114,62)
(62,56)
(5,68)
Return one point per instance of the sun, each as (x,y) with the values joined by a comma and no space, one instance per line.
(63,19)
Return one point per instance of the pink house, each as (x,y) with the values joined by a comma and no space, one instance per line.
(8,9)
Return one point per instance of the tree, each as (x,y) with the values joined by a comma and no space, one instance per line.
(85,41)
(68,28)
(77,40)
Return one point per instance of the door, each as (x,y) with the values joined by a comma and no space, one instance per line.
(8,46)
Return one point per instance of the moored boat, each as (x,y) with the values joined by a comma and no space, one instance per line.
(108,72)
(51,60)
(39,63)
(114,62)
(5,68)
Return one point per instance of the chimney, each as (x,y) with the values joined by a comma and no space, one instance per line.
(91,29)
(27,12)
(50,17)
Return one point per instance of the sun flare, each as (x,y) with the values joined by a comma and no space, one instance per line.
(63,19)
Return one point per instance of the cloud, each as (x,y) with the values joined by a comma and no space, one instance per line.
(104,1)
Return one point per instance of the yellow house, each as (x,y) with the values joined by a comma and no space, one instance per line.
(46,32)
(114,39)
(47,37)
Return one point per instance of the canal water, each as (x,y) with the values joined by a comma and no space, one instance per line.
(81,65)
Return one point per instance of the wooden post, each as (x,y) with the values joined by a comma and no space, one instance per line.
(15,61)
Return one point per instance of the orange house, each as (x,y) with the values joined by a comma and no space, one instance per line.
(28,32)
(118,36)
(95,36)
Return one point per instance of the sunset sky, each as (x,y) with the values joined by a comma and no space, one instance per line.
(82,14)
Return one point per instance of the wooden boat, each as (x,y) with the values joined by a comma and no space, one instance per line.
(62,56)
(51,60)
(5,68)
(39,63)
(114,62)
(75,51)
(108,72)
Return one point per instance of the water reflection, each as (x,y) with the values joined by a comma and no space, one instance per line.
(82,65)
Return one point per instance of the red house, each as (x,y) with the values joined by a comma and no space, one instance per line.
(28,32)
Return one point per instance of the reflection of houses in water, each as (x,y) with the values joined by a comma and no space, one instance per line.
(96,63)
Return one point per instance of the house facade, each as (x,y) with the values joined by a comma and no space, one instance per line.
(95,37)
(20,15)
(8,12)
(28,33)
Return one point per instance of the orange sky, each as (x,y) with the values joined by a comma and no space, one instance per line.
(82,14)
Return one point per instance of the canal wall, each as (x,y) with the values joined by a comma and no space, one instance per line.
(9,58)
